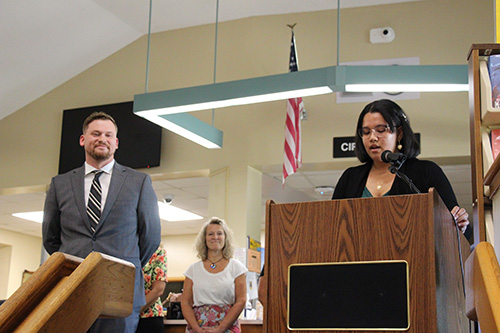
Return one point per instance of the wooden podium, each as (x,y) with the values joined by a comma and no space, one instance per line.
(68,293)
(416,228)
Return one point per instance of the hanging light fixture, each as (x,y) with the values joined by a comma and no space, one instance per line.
(190,128)
(184,125)
(248,91)
(304,83)
(159,106)
(411,78)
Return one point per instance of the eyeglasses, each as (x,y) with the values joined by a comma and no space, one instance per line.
(379,130)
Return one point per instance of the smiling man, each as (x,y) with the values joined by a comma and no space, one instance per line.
(105,207)
(99,140)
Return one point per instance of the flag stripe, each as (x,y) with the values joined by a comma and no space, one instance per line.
(294,106)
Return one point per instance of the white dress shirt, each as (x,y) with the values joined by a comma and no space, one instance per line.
(104,180)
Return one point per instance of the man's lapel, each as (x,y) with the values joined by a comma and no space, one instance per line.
(77,183)
(117,180)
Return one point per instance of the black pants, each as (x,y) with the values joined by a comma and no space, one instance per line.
(150,325)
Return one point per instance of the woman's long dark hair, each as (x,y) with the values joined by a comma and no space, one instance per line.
(395,118)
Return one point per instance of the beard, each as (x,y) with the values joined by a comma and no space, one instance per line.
(99,155)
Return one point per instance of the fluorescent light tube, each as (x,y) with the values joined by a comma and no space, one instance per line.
(190,128)
(171,213)
(167,213)
(406,87)
(236,101)
(31,216)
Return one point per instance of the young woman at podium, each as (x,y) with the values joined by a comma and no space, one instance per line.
(386,145)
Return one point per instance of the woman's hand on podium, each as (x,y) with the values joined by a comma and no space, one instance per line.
(461,217)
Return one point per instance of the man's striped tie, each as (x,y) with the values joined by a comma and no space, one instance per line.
(94,204)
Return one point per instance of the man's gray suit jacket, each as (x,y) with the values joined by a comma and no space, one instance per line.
(129,228)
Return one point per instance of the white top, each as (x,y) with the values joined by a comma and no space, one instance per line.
(214,288)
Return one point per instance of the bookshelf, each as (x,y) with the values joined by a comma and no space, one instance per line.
(485,170)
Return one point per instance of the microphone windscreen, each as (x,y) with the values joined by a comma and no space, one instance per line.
(385,155)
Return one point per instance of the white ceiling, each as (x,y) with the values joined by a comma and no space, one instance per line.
(192,194)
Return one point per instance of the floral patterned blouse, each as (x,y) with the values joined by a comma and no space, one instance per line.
(155,270)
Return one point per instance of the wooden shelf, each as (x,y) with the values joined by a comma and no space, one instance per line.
(485,171)
(492,177)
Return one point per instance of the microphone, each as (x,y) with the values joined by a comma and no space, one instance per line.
(390,157)
(396,160)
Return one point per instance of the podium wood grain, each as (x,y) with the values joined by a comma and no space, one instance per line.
(415,228)
(68,293)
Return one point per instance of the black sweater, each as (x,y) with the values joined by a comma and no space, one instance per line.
(424,174)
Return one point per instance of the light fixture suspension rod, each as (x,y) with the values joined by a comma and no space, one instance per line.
(215,52)
(216,32)
(149,44)
(338,31)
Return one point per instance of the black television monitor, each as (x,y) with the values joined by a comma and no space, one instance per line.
(139,139)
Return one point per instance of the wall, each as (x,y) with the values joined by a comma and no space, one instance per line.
(5,255)
(24,254)
(180,253)
(437,31)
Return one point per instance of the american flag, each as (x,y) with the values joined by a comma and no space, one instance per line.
(294,108)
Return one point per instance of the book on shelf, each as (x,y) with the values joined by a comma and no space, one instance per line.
(495,142)
(494,71)
(488,223)
(487,152)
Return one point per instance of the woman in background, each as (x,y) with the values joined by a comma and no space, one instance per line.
(215,287)
(383,125)
(155,280)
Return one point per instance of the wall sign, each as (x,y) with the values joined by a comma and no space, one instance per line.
(344,146)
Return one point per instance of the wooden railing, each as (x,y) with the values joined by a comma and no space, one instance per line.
(482,281)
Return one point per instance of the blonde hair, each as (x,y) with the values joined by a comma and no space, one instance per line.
(201,239)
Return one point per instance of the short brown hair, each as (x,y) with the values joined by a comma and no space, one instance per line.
(98,115)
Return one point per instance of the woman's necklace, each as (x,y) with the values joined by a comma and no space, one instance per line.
(382,179)
(213,264)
